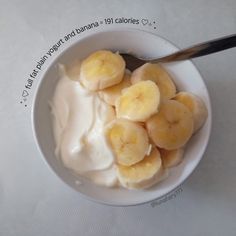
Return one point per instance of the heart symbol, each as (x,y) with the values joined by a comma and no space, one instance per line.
(144,21)
(25,93)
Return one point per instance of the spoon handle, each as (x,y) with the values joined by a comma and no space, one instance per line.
(201,49)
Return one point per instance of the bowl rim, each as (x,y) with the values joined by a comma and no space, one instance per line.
(35,135)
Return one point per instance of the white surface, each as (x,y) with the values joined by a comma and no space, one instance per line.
(33,201)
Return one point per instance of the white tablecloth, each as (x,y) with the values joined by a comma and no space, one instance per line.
(33,201)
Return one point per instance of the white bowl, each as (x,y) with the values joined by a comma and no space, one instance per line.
(186,77)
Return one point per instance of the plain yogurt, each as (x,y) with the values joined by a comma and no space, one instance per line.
(79,117)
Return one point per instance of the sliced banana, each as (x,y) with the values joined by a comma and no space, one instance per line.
(171,158)
(109,95)
(143,174)
(128,141)
(102,69)
(172,126)
(195,105)
(157,74)
(139,101)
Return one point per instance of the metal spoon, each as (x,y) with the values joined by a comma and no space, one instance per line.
(202,49)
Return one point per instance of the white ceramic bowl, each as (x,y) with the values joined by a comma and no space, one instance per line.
(186,77)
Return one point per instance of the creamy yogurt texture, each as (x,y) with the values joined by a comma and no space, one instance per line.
(79,117)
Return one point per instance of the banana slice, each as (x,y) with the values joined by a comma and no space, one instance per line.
(143,174)
(195,105)
(109,95)
(172,126)
(171,158)
(139,101)
(157,74)
(102,69)
(128,141)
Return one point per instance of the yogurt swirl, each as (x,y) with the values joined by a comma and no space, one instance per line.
(79,117)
